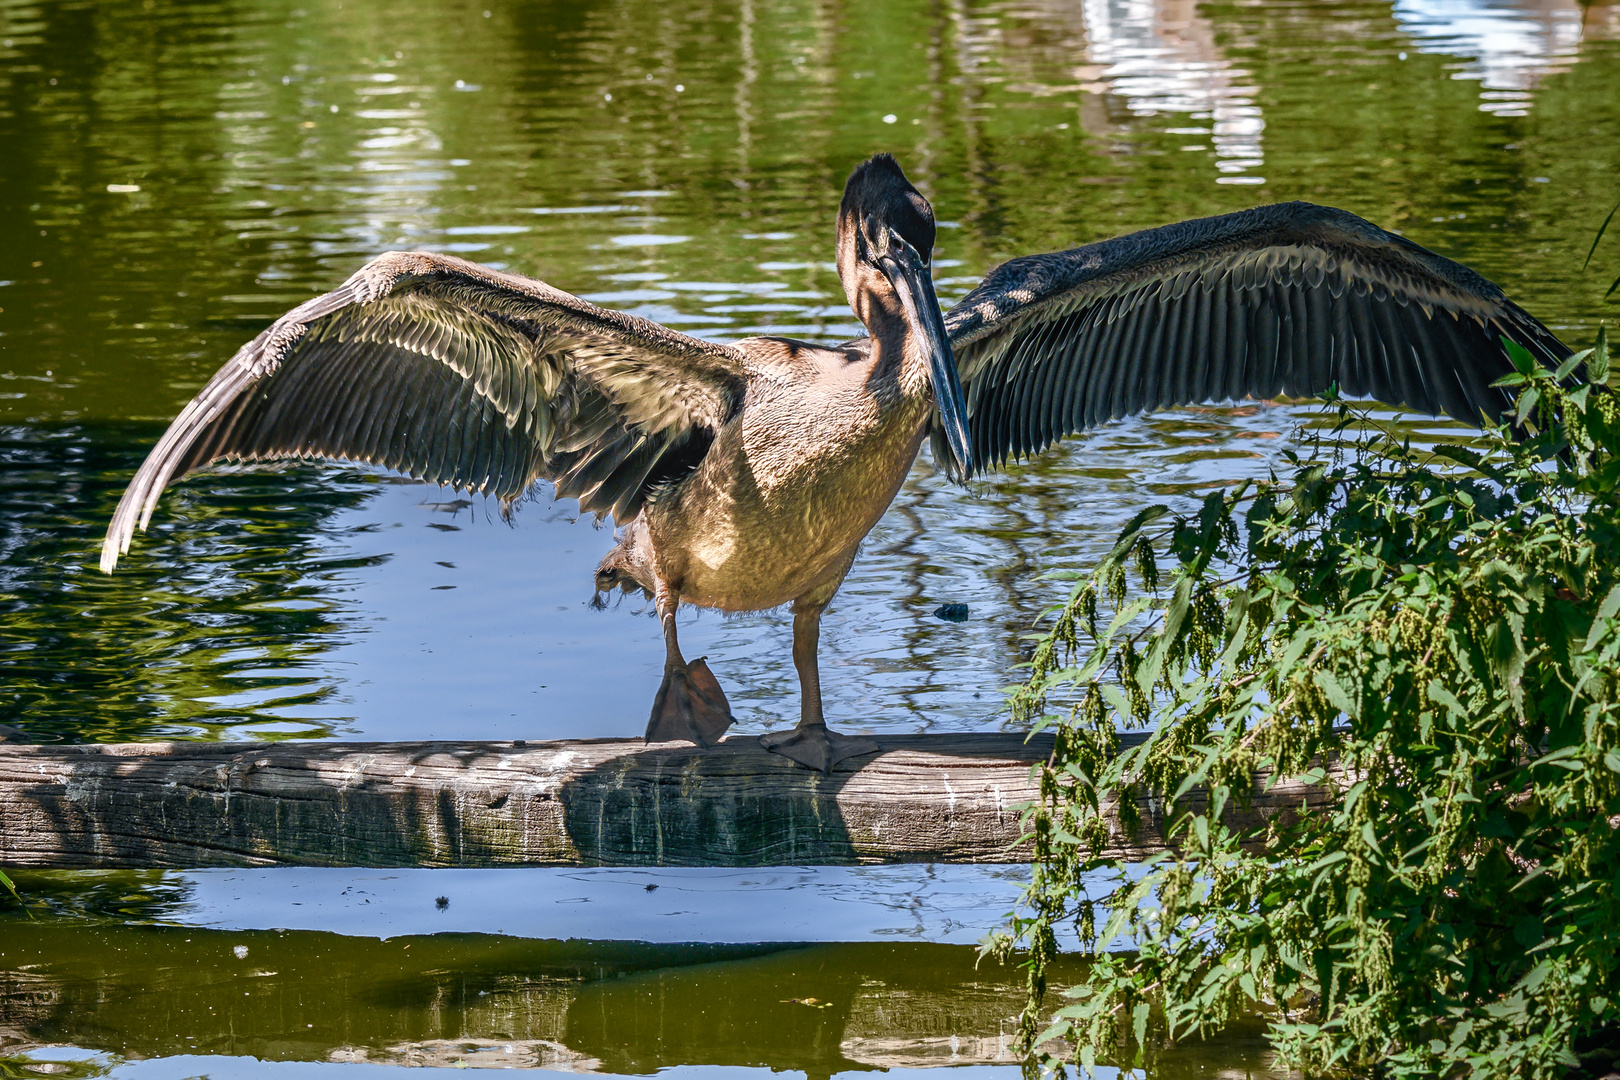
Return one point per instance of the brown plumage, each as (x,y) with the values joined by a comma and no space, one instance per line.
(746,475)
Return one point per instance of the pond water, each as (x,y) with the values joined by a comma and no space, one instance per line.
(173,175)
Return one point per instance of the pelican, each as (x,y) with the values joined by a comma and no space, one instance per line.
(744,476)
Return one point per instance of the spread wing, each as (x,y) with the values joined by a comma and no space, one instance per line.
(1285,299)
(457,374)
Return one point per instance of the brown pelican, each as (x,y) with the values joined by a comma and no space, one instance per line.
(745,476)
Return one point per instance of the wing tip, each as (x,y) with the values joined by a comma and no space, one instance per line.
(121,530)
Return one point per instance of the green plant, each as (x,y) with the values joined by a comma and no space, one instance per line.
(1435,637)
(11,887)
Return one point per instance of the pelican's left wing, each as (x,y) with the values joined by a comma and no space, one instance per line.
(462,375)
(1284,299)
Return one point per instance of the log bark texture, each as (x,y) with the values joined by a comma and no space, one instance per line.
(924,798)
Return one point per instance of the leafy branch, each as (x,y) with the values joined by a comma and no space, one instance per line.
(1446,627)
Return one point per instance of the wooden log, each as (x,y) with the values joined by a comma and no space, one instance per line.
(594,802)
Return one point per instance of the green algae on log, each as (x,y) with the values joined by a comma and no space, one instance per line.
(613,802)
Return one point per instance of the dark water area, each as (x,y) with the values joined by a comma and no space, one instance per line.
(174,175)
(132,974)
(185,999)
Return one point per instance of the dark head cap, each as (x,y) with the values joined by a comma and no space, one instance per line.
(878,195)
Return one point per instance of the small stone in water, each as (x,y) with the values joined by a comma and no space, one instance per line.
(952,612)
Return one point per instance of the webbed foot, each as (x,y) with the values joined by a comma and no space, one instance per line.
(690,705)
(817,746)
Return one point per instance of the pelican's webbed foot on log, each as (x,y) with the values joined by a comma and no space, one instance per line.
(817,746)
(690,705)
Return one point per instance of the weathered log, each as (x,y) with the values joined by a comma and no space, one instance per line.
(924,798)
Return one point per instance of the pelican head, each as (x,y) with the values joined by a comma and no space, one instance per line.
(885,244)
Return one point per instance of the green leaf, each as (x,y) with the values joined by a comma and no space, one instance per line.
(1474,460)
(1605,612)
(11,887)
(1335,693)
(1601,230)
(1370,838)
(1506,652)
(1117,699)
(1570,363)
(1527,404)
(1169,634)
(1561,757)
(1520,357)
(1536,976)
(1440,695)
(1597,365)
(1133,527)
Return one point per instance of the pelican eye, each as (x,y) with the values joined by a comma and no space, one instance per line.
(913,222)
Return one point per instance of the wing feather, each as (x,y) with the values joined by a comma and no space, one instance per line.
(1237,345)
(1132,397)
(1062,376)
(1291,298)
(1177,351)
(1098,326)
(457,374)
(1101,393)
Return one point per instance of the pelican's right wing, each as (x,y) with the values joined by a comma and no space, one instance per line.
(1289,299)
(460,375)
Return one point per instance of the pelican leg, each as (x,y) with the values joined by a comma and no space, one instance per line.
(812,743)
(690,704)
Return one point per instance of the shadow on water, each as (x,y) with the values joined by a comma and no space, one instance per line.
(213,634)
(616,1007)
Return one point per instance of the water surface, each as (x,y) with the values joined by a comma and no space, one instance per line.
(175,175)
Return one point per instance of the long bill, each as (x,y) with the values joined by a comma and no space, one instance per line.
(909,275)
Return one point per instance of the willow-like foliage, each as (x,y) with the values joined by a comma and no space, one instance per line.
(1442,626)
